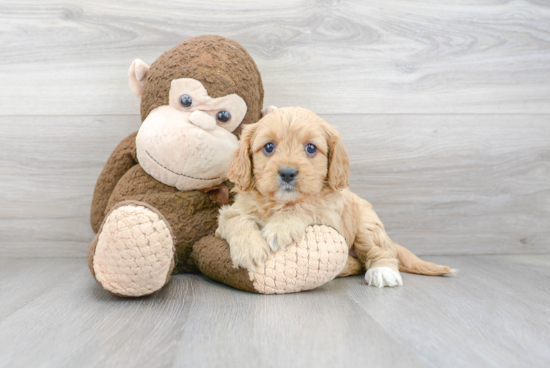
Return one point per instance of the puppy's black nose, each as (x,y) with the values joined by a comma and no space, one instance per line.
(288,174)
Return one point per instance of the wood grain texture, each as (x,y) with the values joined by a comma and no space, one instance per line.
(18,288)
(494,314)
(441,184)
(472,184)
(47,177)
(71,57)
(389,75)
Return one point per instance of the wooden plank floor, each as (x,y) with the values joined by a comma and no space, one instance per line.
(493,314)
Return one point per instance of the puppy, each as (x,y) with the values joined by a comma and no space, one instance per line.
(291,170)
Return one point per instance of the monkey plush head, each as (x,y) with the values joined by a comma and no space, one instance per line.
(194,100)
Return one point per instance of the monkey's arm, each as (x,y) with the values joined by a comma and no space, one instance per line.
(121,160)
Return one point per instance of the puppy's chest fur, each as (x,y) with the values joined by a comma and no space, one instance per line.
(334,209)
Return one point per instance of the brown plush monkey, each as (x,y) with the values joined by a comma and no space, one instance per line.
(157,198)
(162,187)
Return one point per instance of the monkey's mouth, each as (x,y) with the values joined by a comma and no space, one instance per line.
(179,174)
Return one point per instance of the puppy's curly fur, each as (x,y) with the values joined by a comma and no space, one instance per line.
(291,170)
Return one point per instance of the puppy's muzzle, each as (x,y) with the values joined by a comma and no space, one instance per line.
(288,174)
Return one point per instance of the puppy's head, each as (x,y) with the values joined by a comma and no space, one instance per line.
(290,154)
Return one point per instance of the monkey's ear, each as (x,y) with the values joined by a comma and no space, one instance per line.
(136,75)
(268,109)
(239,171)
(338,160)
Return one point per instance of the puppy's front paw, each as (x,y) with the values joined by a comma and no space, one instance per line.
(383,276)
(280,235)
(276,240)
(249,251)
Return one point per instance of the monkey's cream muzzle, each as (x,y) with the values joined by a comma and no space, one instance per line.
(203,120)
(181,154)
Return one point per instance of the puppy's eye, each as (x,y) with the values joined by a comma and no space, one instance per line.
(224,116)
(186,100)
(311,150)
(269,148)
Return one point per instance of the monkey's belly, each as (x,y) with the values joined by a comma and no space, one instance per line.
(191,214)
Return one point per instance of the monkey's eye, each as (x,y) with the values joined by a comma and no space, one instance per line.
(186,101)
(311,150)
(269,148)
(224,116)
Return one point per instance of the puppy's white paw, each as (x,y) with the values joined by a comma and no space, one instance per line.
(383,276)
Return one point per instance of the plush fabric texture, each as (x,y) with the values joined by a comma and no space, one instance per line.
(205,107)
(134,252)
(223,67)
(189,157)
(211,255)
(137,75)
(191,214)
(305,265)
(220,64)
(122,159)
(312,262)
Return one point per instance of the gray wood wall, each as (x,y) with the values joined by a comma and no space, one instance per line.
(444,107)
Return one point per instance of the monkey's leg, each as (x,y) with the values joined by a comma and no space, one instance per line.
(190,214)
(144,240)
(133,252)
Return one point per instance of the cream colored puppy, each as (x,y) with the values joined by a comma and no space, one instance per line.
(291,170)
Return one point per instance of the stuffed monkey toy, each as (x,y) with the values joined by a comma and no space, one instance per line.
(157,199)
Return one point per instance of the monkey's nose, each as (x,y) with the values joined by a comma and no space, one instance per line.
(202,120)
(288,174)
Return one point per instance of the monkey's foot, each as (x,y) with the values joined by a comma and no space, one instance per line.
(133,254)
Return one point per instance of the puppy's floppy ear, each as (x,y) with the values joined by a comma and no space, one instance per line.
(338,160)
(240,168)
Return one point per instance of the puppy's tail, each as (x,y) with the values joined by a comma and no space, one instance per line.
(408,262)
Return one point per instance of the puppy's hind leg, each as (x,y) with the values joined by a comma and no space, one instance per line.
(353,267)
(374,247)
(376,250)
